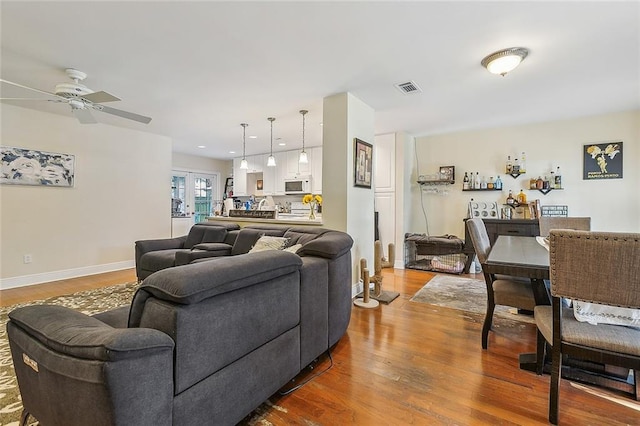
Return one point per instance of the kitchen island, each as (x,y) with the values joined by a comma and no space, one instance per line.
(281,219)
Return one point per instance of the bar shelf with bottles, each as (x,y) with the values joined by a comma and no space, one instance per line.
(546,185)
(474,183)
(516,168)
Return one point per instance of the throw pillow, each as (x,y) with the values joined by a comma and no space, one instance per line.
(293,248)
(267,242)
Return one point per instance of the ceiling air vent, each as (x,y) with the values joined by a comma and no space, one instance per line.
(408,87)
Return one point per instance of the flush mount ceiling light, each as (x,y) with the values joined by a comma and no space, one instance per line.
(243,163)
(271,161)
(505,60)
(303,154)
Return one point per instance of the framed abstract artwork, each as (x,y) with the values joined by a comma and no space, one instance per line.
(363,163)
(31,167)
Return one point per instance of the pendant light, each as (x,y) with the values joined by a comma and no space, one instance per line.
(271,161)
(303,155)
(243,163)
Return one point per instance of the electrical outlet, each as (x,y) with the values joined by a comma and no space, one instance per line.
(27,258)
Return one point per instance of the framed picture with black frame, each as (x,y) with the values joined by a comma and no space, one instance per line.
(363,163)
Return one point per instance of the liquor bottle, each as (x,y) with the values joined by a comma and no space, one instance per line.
(532,183)
(545,183)
(539,183)
(558,179)
(522,198)
(523,163)
(483,183)
(490,184)
(476,184)
(465,182)
(509,166)
(510,199)
(498,184)
(516,167)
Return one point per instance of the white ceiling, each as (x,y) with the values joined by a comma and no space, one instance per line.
(199,69)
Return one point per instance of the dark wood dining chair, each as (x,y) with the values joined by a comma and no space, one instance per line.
(578,223)
(594,267)
(501,289)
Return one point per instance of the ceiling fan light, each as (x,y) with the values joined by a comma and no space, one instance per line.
(244,164)
(504,61)
(303,158)
(271,161)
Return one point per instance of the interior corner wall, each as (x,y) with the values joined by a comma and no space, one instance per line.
(122,179)
(612,204)
(346,207)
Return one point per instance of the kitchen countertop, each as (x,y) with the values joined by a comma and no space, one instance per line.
(283,219)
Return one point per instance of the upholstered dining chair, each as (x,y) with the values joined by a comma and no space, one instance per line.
(593,267)
(577,223)
(501,289)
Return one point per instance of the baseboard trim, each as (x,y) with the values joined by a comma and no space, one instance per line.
(26,280)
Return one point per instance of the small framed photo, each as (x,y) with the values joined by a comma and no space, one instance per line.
(259,184)
(448,173)
(363,163)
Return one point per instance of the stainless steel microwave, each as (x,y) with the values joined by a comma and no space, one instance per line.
(299,185)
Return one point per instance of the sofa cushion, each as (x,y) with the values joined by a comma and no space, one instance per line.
(212,246)
(267,242)
(161,259)
(206,232)
(192,283)
(245,240)
(303,235)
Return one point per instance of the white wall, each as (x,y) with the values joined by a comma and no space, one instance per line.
(193,163)
(120,195)
(613,205)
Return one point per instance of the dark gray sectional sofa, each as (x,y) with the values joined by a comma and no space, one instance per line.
(202,343)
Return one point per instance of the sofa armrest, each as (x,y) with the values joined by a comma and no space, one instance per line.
(64,358)
(75,334)
(146,246)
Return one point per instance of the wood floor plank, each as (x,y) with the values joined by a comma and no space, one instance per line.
(410,363)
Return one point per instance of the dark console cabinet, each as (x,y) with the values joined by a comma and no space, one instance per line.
(495,227)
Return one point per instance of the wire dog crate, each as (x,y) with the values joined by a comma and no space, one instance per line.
(439,254)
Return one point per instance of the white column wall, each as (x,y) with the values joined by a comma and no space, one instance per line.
(346,207)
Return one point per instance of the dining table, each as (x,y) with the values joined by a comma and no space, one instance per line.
(521,257)
(528,257)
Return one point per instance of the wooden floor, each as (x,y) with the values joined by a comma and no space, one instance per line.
(412,363)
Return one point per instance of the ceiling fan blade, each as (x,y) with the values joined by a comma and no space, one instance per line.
(28,99)
(123,114)
(53,95)
(100,97)
(84,116)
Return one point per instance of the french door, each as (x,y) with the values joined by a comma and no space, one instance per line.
(193,195)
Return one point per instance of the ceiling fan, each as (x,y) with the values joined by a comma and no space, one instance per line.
(81,99)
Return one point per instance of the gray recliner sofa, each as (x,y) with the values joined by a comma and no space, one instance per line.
(203,343)
(206,239)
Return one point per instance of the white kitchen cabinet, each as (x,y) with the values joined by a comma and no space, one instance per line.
(256,163)
(239,178)
(274,176)
(294,167)
(315,159)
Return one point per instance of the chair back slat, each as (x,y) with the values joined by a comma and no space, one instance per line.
(599,267)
